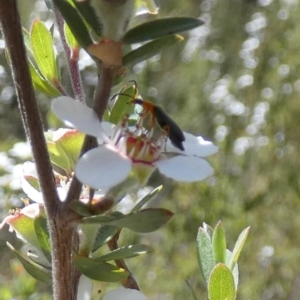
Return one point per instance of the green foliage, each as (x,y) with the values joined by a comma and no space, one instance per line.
(221,283)
(43,51)
(75,22)
(36,271)
(150,49)
(217,264)
(159,28)
(121,106)
(125,252)
(143,221)
(98,270)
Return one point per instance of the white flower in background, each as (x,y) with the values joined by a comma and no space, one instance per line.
(85,288)
(30,174)
(123,149)
(124,294)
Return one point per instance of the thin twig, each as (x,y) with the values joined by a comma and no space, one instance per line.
(72,64)
(128,282)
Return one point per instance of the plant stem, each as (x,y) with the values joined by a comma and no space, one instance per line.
(128,282)
(71,62)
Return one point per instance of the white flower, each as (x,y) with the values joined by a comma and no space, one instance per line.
(123,149)
(85,288)
(124,294)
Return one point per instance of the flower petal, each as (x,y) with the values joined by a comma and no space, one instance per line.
(77,115)
(185,168)
(31,192)
(85,288)
(124,294)
(194,145)
(103,167)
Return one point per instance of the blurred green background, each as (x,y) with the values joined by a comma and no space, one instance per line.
(235,81)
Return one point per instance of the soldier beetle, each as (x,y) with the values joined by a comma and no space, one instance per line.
(172,130)
(155,112)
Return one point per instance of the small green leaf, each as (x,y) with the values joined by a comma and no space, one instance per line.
(40,84)
(42,47)
(75,22)
(33,181)
(58,157)
(150,49)
(98,270)
(143,221)
(42,235)
(205,254)
(160,27)
(105,234)
(72,42)
(122,104)
(25,227)
(208,229)
(125,252)
(219,243)
(148,197)
(71,142)
(221,284)
(238,247)
(235,271)
(34,270)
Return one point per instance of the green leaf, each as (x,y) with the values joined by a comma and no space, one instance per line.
(159,28)
(122,104)
(72,42)
(205,254)
(105,234)
(75,22)
(71,142)
(98,270)
(33,181)
(219,243)
(34,270)
(221,284)
(42,47)
(89,15)
(40,84)
(42,235)
(125,252)
(148,197)
(25,227)
(235,271)
(238,247)
(208,229)
(143,221)
(58,157)
(150,49)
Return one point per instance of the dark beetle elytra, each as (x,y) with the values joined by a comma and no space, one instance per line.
(173,131)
